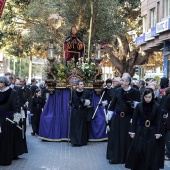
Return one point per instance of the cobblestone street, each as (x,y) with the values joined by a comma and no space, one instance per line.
(62,156)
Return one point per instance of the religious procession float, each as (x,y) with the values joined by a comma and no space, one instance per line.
(62,75)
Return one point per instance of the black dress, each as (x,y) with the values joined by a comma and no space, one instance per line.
(108,95)
(37,104)
(118,138)
(11,142)
(145,151)
(78,121)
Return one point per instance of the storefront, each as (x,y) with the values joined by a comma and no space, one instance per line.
(158,39)
(166,54)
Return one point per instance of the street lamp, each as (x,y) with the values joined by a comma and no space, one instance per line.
(50,53)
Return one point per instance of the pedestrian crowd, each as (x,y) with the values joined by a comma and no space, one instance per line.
(137,121)
(136,114)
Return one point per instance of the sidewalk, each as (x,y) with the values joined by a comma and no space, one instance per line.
(62,156)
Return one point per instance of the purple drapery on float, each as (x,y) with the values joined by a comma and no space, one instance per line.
(54,120)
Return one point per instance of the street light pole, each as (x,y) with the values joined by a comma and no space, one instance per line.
(90,30)
(14,66)
(20,67)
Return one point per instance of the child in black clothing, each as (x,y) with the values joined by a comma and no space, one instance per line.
(37,104)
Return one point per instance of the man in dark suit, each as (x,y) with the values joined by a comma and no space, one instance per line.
(25,96)
(33,86)
(141,87)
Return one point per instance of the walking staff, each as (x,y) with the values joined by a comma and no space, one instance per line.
(7,119)
(70,108)
(106,119)
(98,105)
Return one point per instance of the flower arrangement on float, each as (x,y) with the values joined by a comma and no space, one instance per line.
(88,69)
(62,69)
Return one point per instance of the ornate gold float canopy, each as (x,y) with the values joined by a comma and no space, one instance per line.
(65,75)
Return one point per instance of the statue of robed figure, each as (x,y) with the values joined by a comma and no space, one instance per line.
(74,48)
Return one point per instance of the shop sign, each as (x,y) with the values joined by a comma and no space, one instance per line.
(148,36)
(153,32)
(140,40)
(163,26)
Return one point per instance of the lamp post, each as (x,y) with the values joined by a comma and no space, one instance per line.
(50,54)
(51,77)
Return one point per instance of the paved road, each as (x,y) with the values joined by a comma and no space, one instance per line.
(61,156)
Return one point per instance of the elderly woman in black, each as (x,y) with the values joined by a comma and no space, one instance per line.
(144,152)
(11,143)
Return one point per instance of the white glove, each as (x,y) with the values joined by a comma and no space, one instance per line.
(109,115)
(26,103)
(87,102)
(17,117)
(104,103)
(135,103)
(165,116)
(130,121)
(22,113)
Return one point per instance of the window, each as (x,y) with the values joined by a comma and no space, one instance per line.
(161,69)
(153,70)
(145,23)
(166,8)
(152,17)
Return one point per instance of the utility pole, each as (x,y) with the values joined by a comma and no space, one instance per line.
(20,67)
(30,69)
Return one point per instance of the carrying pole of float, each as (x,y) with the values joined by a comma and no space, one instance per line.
(90,30)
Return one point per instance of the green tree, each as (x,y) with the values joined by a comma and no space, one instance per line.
(112,20)
(27,32)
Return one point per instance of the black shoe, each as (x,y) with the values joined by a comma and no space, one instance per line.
(167,158)
(15,157)
(33,134)
(74,145)
(112,161)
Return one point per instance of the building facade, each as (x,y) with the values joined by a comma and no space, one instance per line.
(156,30)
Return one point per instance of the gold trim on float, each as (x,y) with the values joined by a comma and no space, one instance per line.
(66,139)
(98,140)
(53,140)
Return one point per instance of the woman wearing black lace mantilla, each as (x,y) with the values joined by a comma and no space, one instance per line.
(145,151)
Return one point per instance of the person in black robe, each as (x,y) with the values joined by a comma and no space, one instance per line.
(25,97)
(11,141)
(37,103)
(119,114)
(141,87)
(164,102)
(108,92)
(80,101)
(145,151)
(12,79)
(167,125)
(33,86)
